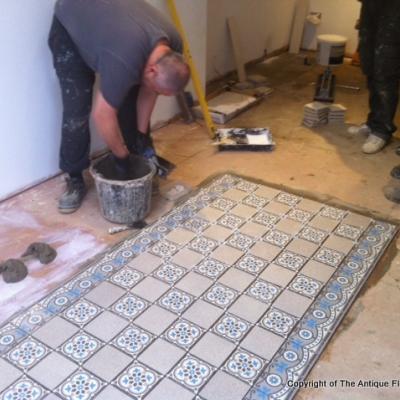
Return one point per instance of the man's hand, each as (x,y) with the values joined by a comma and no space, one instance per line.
(121,167)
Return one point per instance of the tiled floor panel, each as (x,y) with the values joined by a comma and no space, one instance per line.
(229,296)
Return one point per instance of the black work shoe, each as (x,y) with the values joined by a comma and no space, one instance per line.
(395,172)
(72,198)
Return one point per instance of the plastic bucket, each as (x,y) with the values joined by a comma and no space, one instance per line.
(124,201)
(331,49)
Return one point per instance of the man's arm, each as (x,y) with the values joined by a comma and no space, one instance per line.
(145,105)
(106,121)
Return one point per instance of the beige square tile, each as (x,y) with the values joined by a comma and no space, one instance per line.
(254,230)
(277,208)
(302,247)
(236,279)
(267,192)
(326,224)
(289,226)
(105,294)
(150,288)
(223,386)
(357,220)
(210,214)
(203,314)
(278,275)
(309,205)
(213,349)
(265,250)
(339,244)
(243,211)
(248,308)
(168,390)
(180,236)
(161,356)
(194,284)
(262,342)
(235,194)
(226,254)
(317,270)
(110,393)
(217,232)
(146,262)
(155,319)
(187,258)
(106,326)
(8,374)
(292,303)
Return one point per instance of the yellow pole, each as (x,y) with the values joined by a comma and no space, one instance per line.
(195,76)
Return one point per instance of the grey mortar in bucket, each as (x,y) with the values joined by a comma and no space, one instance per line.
(123,201)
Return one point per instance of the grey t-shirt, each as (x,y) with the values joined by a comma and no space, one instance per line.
(115,38)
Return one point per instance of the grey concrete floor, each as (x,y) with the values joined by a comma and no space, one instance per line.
(326,163)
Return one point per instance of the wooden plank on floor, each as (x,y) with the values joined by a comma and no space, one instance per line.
(301,11)
(237,49)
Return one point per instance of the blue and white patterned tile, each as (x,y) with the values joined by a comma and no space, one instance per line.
(313,235)
(266,218)
(328,256)
(80,386)
(59,300)
(211,268)
(164,249)
(80,347)
(277,238)
(220,295)
(223,204)
(263,291)
(288,199)
(278,321)
(127,277)
(230,221)
(240,241)
(255,201)
(81,312)
(247,186)
(348,231)
(133,340)
(203,245)
(169,273)
(251,264)
(130,306)
(332,213)
(192,373)
(290,260)
(196,224)
(137,380)
(232,328)
(176,301)
(27,354)
(305,286)
(183,333)
(10,336)
(32,319)
(24,389)
(244,365)
(299,215)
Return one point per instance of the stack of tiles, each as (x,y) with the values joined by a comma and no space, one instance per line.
(336,114)
(315,114)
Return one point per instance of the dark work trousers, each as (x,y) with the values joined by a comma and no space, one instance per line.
(76,82)
(380,60)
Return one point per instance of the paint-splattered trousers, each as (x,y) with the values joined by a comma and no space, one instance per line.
(380,60)
(76,82)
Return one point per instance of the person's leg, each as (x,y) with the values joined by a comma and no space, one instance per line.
(76,82)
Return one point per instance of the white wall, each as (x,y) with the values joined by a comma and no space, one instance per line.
(30,103)
(338,17)
(262,24)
